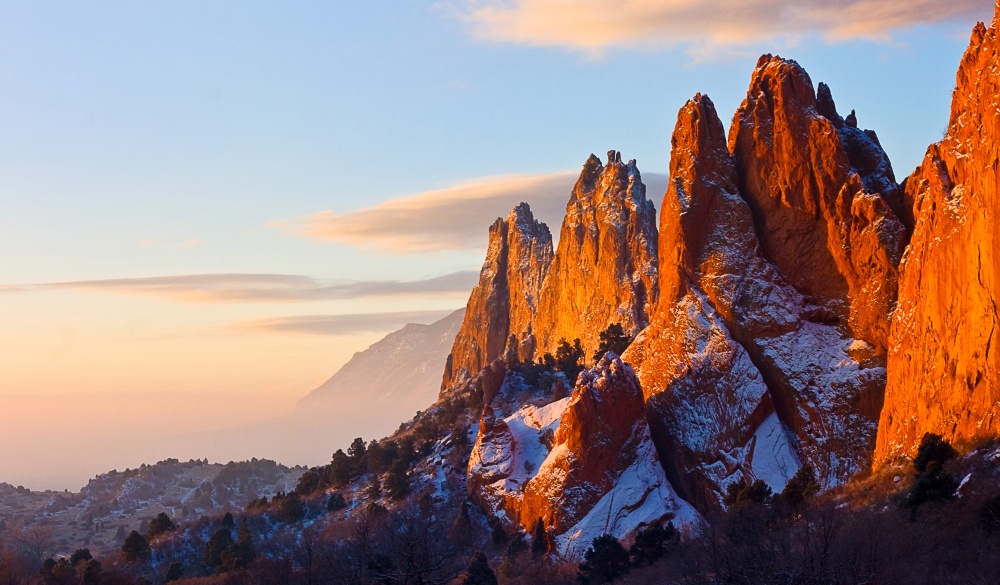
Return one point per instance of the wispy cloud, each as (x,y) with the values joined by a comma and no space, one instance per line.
(595,25)
(456,218)
(258,288)
(335,324)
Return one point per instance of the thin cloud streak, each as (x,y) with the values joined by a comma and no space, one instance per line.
(263,288)
(593,26)
(452,219)
(335,324)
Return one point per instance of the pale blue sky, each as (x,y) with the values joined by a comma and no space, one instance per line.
(125,122)
(157,139)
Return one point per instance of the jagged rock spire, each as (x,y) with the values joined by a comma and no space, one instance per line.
(501,307)
(604,270)
(821,196)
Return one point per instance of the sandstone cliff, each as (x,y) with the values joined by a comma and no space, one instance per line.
(705,397)
(944,369)
(777,277)
(501,307)
(604,270)
(821,191)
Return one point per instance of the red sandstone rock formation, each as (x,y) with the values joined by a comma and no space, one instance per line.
(604,269)
(585,465)
(777,276)
(820,190)
(944,364)
(706,399)
(501,307)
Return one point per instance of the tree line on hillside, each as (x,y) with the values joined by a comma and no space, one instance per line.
(925,533)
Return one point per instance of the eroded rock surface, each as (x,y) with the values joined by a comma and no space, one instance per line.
(604,269)
(585,465)
(501,307)
(820,191)
(944,369)
(742,335)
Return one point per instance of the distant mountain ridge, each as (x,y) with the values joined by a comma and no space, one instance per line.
(401,373)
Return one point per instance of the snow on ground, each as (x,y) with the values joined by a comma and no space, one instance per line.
(641,496)
(771,454)
(528,452)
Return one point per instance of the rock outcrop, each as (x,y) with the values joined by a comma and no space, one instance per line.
(777,278)
(821,192)
(585,465)
(944,365)
(705,397)
(604,269)
(501,307)
(771,306)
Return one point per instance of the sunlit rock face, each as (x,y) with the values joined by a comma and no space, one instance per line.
(821,192)
(604,269)
(944,370)
(778,257)
(501,307)
(705,398)
(585,465)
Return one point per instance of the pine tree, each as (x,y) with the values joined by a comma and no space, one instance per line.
(479,571)
(81,554)
(651,543)
(336,502)
(932,481)
(241,553)
(291,508)
(604,561)
(90,572)
(613,339)
(461,529)
(498,534)
(540,544)
(374,490)
(217,544)
(800,488)
(357,454)
(569,358)
(397,483)
(742,493)
(339,471)
(162,523)
(135,547)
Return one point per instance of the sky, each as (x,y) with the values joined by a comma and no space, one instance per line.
(206,208)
